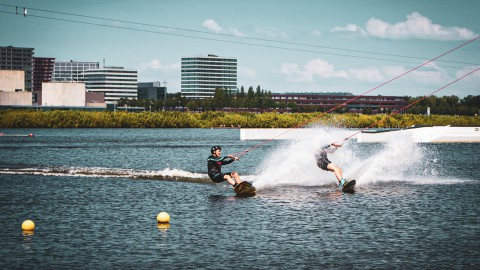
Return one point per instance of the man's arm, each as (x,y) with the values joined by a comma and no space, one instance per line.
(229,159)
(329,149)
(214,159)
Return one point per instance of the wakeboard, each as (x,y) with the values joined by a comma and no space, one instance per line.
(349,186)
(245,189)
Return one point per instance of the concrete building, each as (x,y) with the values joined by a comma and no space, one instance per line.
(23,98)
(95,99)
(63,94)
(12,84)
(115,82)
(12,80)
(17,58)
(151,90)
(202,75)
(42,71)
(71,71)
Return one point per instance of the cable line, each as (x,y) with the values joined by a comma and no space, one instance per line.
(356,97)
(236,36)
(227,35)
(408,106)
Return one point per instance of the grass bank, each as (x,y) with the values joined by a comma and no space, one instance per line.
(87,119)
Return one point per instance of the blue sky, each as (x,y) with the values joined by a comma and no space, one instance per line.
(283,46)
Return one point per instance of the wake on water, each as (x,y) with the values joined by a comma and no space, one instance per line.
(293,163)
(399,160)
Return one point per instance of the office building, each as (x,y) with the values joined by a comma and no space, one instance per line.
(17,58)
(42,71)
(151,90)
(115,82)
(71,71)
(325,102)
(202,75)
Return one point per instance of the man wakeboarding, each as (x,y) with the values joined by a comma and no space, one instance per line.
(325,164)
(215,162)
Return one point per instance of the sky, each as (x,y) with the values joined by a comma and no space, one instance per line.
(282,46)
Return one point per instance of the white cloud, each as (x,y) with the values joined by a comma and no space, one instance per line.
(235,32)
(312,69)
(472,77)
(272,32)
(317,33)
(370,74)
(351,30)
(416,26)
(317,70)
(213,26)
(155,64)
(431,74)
(246,73)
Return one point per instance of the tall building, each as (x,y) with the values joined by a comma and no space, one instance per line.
(71,71)
(202,75)
(151,90)
(42,71)
(115,82)
(17,58)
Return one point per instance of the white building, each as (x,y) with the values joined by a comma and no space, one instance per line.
(63,94)
(202,75)
(115,82)
(71,71)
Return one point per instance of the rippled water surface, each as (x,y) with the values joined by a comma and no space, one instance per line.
(94,195)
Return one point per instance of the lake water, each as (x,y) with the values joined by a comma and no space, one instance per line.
(94,195)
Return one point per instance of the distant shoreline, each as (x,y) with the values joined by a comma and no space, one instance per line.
(226,120)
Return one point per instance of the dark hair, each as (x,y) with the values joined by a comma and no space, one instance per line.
(215,148)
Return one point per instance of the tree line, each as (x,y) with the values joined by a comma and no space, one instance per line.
(446,105)
(261,100)
(252,99)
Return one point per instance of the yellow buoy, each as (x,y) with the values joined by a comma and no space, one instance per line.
(163,217)
(28,225)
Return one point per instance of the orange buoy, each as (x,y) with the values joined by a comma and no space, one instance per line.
(28,225)
(163,217)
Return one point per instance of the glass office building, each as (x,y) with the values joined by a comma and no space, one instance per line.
(71,71)
(151,90)
(115,82)
(202,75)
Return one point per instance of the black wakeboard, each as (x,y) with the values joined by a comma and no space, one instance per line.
(349,186)
(245,189)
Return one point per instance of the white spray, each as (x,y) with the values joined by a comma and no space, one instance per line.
(294,162)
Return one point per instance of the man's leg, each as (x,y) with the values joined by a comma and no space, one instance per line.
(229,179)
(336,170)
(236,176)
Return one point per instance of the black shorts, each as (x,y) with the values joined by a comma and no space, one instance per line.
(219,177)
(323,163)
